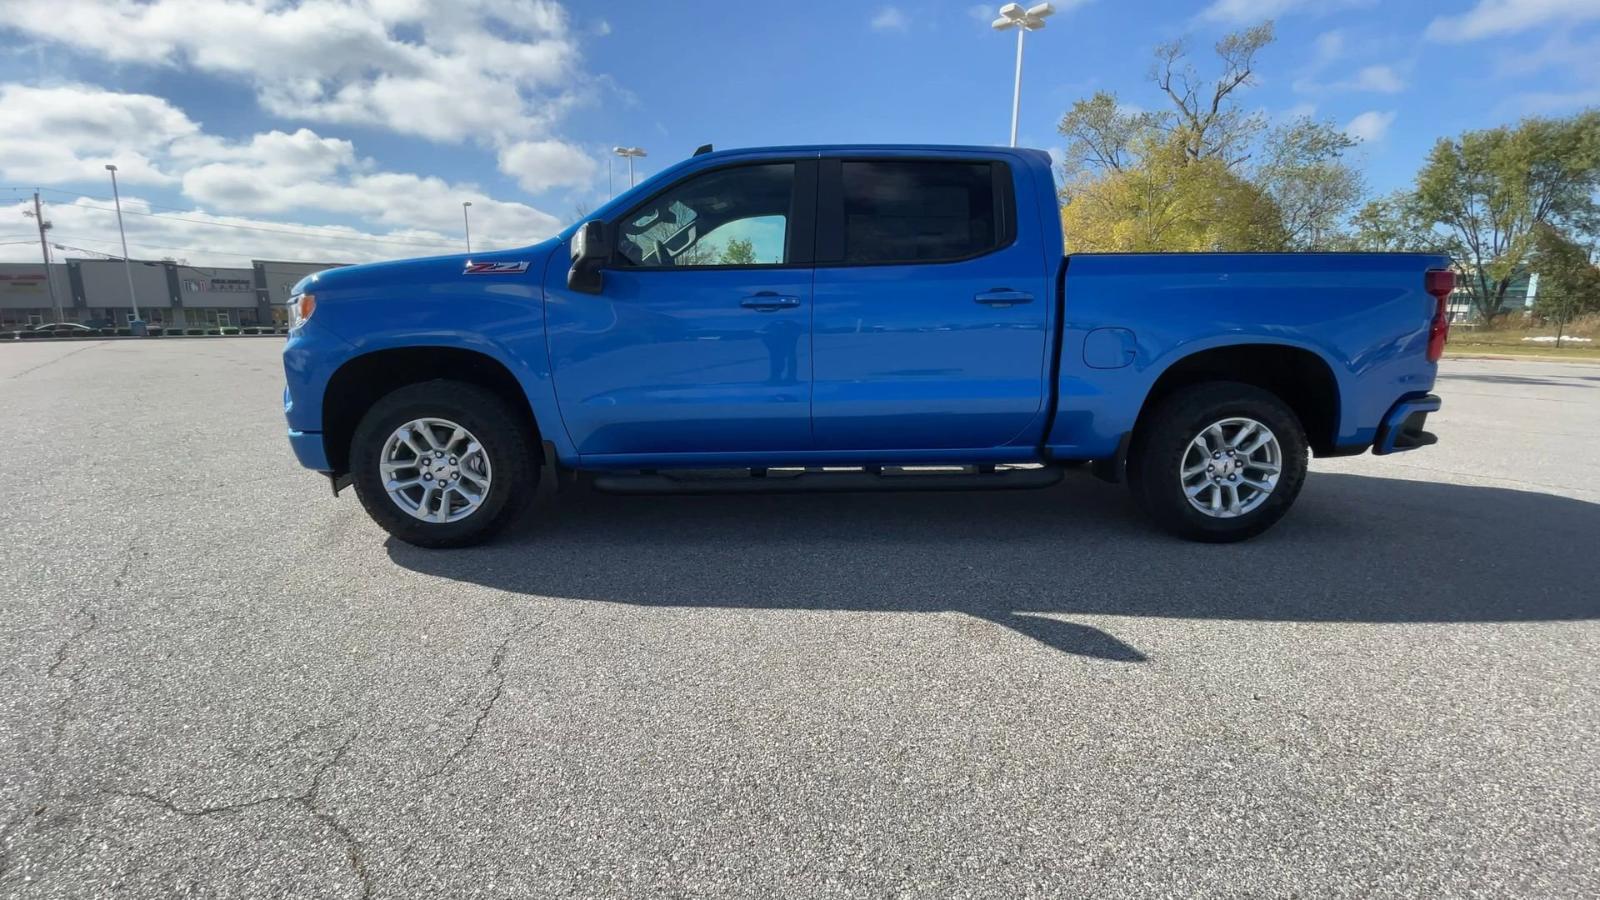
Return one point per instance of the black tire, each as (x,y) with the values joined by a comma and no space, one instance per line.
(1156,459)
(514,468)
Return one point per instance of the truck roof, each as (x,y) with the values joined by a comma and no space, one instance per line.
(899,149)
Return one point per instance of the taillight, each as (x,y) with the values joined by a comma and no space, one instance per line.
(1439,283)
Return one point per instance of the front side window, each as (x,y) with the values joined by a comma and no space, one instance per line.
(730,217)
(916,211)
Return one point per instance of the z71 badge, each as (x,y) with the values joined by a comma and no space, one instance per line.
(495,268)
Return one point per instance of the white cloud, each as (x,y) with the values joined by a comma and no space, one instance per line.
(67,134)
(441,69)
(1378,79)
(540,165)
(1300,111)
(1382,79)
(1250,12)
(1328,46)
(1498,17)
(1370,126)
(890,18)
(85,228)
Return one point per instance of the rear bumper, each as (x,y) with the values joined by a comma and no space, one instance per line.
(1404,427)
(307,446)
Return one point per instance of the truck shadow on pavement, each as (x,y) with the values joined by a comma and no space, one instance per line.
(1355,549)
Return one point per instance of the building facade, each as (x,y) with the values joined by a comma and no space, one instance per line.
(96,292)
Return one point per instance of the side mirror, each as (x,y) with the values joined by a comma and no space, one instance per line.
(591,247)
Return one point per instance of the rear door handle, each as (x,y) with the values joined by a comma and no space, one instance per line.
(1003,297)
(770,301)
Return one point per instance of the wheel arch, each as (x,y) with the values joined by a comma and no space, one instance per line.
(1299,376)
(361,380)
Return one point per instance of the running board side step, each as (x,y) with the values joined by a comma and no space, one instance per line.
(830,480)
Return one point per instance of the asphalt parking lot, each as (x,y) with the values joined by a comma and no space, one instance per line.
(216,680)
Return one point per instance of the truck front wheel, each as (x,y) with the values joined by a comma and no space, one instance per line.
(441,464)
(1218,462)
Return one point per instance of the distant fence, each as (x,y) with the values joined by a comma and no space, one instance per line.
(155,331)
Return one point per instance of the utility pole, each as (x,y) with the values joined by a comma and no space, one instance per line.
(466,223)
(44,247)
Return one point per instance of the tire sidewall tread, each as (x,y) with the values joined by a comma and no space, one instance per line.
(1163,439)
(475,409)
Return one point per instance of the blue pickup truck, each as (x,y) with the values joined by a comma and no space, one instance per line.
(845,318)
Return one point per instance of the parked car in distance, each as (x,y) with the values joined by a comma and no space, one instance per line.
(64,328)
(906,313)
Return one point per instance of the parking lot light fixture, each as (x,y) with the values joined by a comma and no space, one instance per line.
(1014,17)
(127,266)
(466,223)
(629,153)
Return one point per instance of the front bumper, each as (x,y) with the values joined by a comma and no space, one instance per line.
(308,448)
(1404,428)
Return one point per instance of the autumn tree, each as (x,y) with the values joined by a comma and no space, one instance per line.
(1170,202)
(1294,172)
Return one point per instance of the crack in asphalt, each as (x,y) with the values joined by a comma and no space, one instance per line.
(307,800)
(495,671)
(50,362)
(87,613)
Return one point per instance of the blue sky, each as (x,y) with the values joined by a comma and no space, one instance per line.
(353,130)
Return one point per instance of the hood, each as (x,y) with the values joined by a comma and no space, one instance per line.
(432,269)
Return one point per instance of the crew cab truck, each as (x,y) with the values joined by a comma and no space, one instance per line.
(849,317)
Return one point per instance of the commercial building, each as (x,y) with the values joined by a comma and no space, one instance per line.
(95,291)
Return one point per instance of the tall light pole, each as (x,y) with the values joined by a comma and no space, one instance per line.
(467,223)
(1013,16)
(127,267)
(630,153)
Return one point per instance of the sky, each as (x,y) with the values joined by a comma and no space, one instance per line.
(352,131)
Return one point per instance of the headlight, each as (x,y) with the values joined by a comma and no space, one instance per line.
(300,308)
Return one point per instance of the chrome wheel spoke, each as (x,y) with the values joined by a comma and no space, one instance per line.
(1248,429)
(436,482)
(1230,467)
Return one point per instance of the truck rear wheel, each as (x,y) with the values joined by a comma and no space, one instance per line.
(1218,462)
(441,464)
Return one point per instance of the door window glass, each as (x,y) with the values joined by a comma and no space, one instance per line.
(737,216)
(913,211)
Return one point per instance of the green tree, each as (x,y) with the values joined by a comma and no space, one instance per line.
(1101,134)
(1302,171)
(739,252)
(1490,190)
(1393,224)
(1569,283)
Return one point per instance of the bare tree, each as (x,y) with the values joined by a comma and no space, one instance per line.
(1208,125)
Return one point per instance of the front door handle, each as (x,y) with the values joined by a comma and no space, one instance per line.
(1003,297)
(770,301)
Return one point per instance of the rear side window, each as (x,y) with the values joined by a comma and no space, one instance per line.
(919,211)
